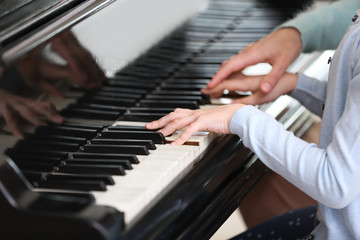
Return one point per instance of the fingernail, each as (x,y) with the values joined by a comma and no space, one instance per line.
(174,143)
(266,87)
(59,119)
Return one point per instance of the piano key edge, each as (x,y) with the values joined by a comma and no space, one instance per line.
(43,213)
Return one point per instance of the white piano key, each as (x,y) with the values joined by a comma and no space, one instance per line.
(140,187)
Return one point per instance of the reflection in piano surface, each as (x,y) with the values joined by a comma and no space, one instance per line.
(101,174)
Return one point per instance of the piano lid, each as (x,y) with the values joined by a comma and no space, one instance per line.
(26,24)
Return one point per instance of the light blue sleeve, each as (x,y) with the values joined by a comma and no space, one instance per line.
(327,175)
(323,27)
(311,93)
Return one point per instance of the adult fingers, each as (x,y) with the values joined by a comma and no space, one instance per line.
(51,89)
(235,64)
(12,122)
(271,79)
(254,99)
(48,110)
(243,84)
(50,70)
(30,115)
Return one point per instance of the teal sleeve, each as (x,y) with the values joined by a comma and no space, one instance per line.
(323,27)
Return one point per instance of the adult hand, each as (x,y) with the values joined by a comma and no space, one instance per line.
(14,108)
(213,120)
(85,71)
(42,75)
(279,49)
(241,82)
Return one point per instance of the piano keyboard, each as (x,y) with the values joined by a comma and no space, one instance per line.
(104,149)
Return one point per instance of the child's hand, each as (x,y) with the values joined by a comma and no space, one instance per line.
(213,120)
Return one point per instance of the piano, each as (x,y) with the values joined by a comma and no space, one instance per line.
(102,175)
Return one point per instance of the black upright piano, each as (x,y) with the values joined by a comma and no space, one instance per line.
(101,174)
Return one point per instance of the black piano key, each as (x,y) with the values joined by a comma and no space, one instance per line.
(188,81)
(107,179)
(194,66)
(77,112)
(32,176)
(198,99)
(34,153)
(92,168)
(74,184)
(194,34)
(129,128)
(112,94)
(120,83)
(26,158)
(57,146)
(198,43)
(149,144)
(169,104)
(177,92)
(148,81)
(206,59)
(124,163)
(140,71)
(122,90)
(102,107)
(84,125)
(151,110)
(159,64)
(66,131)
(36,166)
(122,149)
(130,157)
(195,75)
(180,86)
(183,47)
(157,137)
(205,98)
(124,102)
(56,138)
(171,56)
(142,117)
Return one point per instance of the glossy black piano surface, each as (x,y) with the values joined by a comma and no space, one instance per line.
(48,177)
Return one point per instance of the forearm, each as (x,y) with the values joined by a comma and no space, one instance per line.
(323,27)
(311,93)
(318,172)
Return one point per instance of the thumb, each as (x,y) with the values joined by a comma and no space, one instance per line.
(271,79)
(233,65)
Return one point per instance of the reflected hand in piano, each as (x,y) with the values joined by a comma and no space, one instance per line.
(15,108)
(83,68)
(41,75)
(78,66)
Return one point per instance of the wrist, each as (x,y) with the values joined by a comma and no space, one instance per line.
(292,33)
(292,80)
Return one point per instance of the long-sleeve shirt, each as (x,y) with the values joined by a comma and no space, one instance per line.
(330,172)
(323,27)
